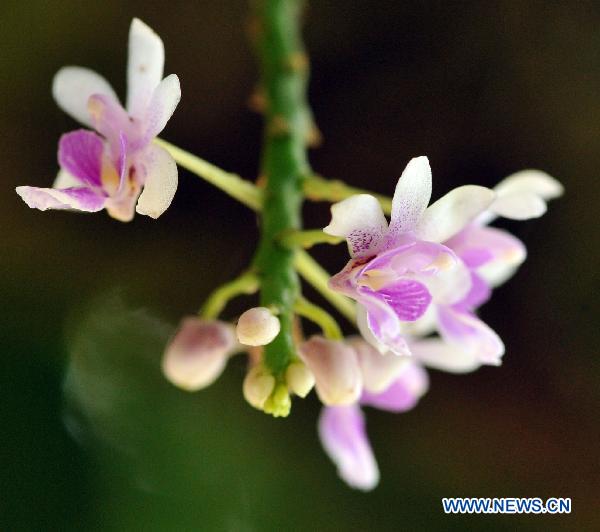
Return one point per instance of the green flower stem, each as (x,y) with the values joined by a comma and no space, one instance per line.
(247,283)
(312,272)
(317,188)
(307,239)
(232,184)
(284,69)
(319,316)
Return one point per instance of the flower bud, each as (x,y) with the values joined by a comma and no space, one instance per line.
(335,368)
(378,370)
(299,379)
(258,386)
(279,403)
(198,353)
(257,326)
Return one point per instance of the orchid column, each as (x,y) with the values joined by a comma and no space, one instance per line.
(284,68)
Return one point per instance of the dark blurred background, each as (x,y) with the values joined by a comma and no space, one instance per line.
(482,88)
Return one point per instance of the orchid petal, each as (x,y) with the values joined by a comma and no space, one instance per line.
(110,120)
(360,220)
(404,393)
(144,68)
(519,206)
(451,213)
(503,252)
(161,107)
(160,182)
(335,367)
(383,323)
(81,198)
(531,181)
(438,354)
(72,87)
(411,196)
(378,370)
(343,436)
(65,180)
(80,153)
(464,329)
(425,325)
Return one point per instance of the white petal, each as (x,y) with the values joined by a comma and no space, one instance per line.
(378,370)
(453,212)
(65,180)
(160,182)
(144,67)
(361,221)
(162,106)
(534,181)
(519,206)
(72,87)
(437,354)
(412,195)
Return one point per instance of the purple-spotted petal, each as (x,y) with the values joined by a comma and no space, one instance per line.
(343,436)
(144,68)
(72,87)
(80,154)
(403,394)
(411,196)
(464,329)
(81,199)
(360,220)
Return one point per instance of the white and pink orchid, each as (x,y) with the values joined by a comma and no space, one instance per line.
(492,256)
(350,375)
(118,167)
(396,272)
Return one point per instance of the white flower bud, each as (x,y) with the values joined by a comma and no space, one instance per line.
(258,386)
(299,379)
(378,370)
(257,326)
(198,353)
(338,379)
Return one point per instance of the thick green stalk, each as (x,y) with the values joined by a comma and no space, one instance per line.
(284,70)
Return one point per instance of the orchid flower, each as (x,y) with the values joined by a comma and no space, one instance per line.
(492,255)
(119,165)
(396,271)
(389,383)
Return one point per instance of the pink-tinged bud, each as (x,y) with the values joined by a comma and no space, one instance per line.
(335,368)
(258,386)
(378,370)
(299,379)
(198,353)
(257,326)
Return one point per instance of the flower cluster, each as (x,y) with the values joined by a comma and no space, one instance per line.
(418,282)
(115,167)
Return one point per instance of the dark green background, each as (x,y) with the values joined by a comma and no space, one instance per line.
(482,88)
